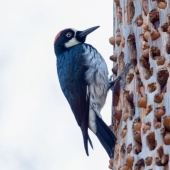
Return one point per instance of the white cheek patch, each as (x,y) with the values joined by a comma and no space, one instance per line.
(72,42)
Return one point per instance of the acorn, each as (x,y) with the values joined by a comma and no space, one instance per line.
(117,2)
(148,160)
(166,122)
(137,126)
(137,136)
(159,112)
(112,40)
(162,5)
(142,102)
(129,160)
(167,139)
(114,69)
(118,114)
(113,57)
(160,60)
(168,30)
(155,34)
(146,35)
(146,128)
(152,87)
(118,40)
(158,98)
(145,26)
(145,53)
(157,125)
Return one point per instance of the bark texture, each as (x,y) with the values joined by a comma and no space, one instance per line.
(141,111)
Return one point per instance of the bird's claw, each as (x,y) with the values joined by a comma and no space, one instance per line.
(110,78)
(121,76)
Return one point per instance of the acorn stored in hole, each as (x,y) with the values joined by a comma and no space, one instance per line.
(168,30)
(147,35)
(162,5)
(129,160)
(158,98)
(142,102)
(155,34)
(137,136)
(159,112)
(112,40)
(114,69)
(166,122)
(118,114)
(113,57)
(160,60)
(148,160)
(145,53)
(167,139)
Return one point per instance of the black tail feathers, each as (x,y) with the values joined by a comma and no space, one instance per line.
(105,136)
(87,139)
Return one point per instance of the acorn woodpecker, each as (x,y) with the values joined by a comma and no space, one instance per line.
(83,77)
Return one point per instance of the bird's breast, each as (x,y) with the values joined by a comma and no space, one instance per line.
(96,75)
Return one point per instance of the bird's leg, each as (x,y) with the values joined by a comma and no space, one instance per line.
(122,76)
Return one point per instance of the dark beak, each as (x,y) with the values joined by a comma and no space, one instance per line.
(84,33)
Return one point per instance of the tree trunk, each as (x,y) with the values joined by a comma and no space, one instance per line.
(141,111)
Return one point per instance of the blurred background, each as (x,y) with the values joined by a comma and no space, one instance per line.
(37,128)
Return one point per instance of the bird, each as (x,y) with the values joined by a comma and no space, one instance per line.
(83,78)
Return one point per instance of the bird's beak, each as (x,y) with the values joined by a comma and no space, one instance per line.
(87,31)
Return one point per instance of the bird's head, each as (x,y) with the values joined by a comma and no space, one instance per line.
(70,37)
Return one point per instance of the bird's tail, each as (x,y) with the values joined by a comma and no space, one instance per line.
(105,136)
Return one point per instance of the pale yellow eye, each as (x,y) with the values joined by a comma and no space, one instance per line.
(68,34)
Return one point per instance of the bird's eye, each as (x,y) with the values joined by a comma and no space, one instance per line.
(68,34)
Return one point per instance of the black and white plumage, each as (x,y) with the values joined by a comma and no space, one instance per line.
(83,77)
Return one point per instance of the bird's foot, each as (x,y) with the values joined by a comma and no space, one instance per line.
(114,82)
(122,76)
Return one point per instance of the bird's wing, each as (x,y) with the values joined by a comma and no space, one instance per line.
(79,102)
(74,87)
(80,107)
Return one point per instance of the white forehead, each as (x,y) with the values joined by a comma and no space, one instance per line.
(74,30)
